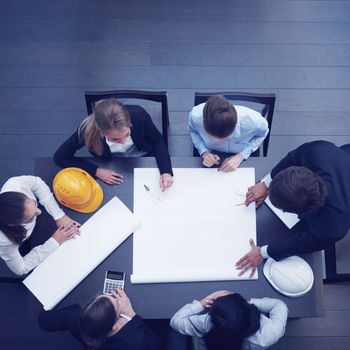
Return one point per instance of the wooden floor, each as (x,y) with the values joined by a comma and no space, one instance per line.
(52,51)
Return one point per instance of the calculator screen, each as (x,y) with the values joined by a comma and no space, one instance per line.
(114,275)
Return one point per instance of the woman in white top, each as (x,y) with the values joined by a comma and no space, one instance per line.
(18,212)
(227,321)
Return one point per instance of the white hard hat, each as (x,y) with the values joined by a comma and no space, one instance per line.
(292,276)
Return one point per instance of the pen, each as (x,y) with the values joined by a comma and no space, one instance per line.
(240,204)
(155,198)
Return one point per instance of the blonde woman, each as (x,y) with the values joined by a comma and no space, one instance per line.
(115,130)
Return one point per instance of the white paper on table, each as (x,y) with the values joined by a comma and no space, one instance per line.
(67,266)
(195,232)
(289,219)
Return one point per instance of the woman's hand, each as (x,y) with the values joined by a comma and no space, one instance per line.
(166,180)
(108,176)
(66,220)
(231,163)
(210,159)
(207,302)
(66,232)
(124,303)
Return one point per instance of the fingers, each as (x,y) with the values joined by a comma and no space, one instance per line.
(241,260)
(253,271)
(244,269)
(252,244)
(225,167)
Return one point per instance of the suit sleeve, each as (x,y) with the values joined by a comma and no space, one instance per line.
(303,242)
(65,158)
(155,138)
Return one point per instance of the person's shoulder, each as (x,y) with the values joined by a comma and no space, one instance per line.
(318,147)
(13,184)
(4,241)
(196,114)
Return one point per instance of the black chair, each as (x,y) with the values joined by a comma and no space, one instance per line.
(330,259)
(156,96)
(266,100)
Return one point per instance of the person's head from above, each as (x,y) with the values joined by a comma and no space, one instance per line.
(98,318)
(297,190)
(219,118)
(233,319)
(110,119)
(16,209)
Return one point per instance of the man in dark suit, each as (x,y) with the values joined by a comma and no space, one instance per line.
(312,181)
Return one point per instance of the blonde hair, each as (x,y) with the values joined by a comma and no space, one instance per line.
(108,114)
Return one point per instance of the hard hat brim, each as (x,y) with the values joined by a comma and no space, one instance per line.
(267,273)
(97,197)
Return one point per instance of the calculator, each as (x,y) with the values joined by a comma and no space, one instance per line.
(113,280)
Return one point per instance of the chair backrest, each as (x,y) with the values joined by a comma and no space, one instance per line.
(91,97)
(267,101)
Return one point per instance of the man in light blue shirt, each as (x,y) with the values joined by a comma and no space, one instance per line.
(217,127)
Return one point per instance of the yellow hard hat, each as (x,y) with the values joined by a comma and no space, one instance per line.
(77,190)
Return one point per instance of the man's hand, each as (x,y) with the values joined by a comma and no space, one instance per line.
(257,193)
(108,176)
(231,163)
(210,159)
(251,260)
(207,302)
(166,180)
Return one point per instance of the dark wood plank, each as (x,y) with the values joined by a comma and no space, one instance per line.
(318,343)
(215,54)
(227,10)
(304,100)
(76,53)
(335,323)
(173,77)
(144,30)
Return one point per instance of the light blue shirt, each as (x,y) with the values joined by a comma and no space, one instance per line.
(250,131)
(192,319)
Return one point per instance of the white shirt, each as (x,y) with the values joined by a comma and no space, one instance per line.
(192,319)
(250,131)
(33,187)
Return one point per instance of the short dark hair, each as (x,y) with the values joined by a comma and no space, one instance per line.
(97,318)
(297,189)
(219,117)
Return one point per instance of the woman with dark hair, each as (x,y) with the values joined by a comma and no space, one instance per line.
(18,213)
(116,130)
(105,322)
(226,321)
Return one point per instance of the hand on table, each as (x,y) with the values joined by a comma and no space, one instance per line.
(165,181)
(257,194)
(210,159)
(108,176)
(207,302)
(251,260)
(231,163)
(124,303)
(66,232)
(66,220)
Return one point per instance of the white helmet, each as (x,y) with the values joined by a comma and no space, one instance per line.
(292,276)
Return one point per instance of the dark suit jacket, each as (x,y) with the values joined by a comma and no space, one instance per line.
(330,223)
(135,335)
(144,134)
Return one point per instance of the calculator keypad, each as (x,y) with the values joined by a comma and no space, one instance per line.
(112,285)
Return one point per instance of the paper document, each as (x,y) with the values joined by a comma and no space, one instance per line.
(196,231)
(67,266)
(289,219)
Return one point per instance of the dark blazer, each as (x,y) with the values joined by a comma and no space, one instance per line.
(135,335)
(144,135)
(330,223)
